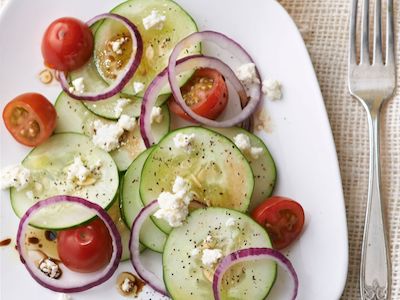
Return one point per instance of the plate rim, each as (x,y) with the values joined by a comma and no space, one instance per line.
(331,142)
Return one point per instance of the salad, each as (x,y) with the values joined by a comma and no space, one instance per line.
(150,146)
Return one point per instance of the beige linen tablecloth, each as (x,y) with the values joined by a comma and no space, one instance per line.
(324,26)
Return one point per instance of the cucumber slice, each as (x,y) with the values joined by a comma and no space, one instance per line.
(48,163)
(157,44)
(220,175)
(187,278)
(108,108)
(73,116)
(131,204)
(264,169)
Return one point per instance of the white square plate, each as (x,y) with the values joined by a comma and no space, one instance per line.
(300,141)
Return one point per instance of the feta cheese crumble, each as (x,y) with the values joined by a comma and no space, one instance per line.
(272,88)
(184,141)
(77,85)
(230,222)
(116,45)
(155,19)
(138,87)
(174,206)
(247,75)
(121,104)
(211,257)
(242,141)
(255,152)
(77,171)
(63,296)
(16,176)
(126,122)
(107,136)
(50,268)
(156,115)
(195,252)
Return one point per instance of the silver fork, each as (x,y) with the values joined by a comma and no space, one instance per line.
(372,84)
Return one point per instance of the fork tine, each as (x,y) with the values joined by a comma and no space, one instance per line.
(389,34)
(353,24)
(378,33)
(365,33)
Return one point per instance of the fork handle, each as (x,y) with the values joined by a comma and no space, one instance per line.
(375,262)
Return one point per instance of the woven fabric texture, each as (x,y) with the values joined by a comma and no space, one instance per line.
(324,26)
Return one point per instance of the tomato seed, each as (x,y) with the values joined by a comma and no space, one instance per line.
(23,132)
(18,115)
(34,129)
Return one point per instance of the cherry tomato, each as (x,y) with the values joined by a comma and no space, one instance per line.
(87,248)
(67,44)
(30,118)
(206,94)
(283,219)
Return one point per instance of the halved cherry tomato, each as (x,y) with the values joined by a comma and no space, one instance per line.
(30,118)
(206,94)
(283,219)
(87,248)
(67,44)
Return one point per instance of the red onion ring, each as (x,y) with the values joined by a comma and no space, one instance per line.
(149,277)
(124,77)
(223,42)
(184,64)
(251,254)
(64,284)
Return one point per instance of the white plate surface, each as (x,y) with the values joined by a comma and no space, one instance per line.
(300,140)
